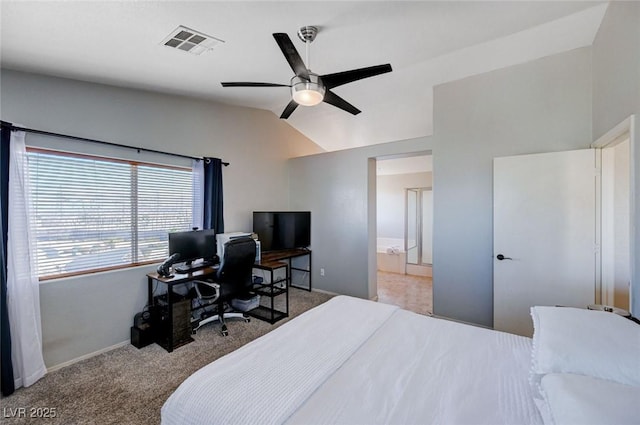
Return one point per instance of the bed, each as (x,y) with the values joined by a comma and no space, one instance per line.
(352,361)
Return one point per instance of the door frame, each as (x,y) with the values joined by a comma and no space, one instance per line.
(372,220)
(618,134)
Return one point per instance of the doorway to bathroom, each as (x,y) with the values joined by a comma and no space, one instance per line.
(404,222)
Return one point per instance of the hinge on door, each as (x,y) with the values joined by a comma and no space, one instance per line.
(597,171)
(596,248)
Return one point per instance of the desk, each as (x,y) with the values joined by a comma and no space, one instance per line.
(181,327)
(288,255)
(174,335)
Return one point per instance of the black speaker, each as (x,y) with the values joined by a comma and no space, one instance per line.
(142,320)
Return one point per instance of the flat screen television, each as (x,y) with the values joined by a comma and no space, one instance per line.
(278,230)
(193,245)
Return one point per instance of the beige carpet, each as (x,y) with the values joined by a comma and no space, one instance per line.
(414,293)
(129,386)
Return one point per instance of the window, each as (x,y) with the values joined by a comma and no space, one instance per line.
(92,214)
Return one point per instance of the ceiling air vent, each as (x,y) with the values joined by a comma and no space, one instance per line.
(191,41)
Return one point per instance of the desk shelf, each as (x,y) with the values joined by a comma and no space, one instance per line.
(269,290)
(289,256)
(267,314)
(274,287)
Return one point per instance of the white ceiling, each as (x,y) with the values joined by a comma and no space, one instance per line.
(426,42)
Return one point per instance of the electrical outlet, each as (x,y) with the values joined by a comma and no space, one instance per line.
(321,272)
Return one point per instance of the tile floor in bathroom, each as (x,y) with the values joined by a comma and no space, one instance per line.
(406,291)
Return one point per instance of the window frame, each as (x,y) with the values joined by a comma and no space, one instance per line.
(134,214)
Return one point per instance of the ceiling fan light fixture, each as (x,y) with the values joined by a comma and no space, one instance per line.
(307,93)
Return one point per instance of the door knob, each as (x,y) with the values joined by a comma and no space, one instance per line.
(502,257)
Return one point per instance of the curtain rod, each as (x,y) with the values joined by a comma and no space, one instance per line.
(84,139)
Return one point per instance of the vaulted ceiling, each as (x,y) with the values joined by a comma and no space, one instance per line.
(427,43)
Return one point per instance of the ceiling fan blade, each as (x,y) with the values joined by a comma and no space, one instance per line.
(340,78)
(333,99)
(288,110)
(291,54)
(247,84)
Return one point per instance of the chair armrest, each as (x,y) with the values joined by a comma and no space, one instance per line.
(212,285)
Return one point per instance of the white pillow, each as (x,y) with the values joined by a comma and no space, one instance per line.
(579,399)
(586,342)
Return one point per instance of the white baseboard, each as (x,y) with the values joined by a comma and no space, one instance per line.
(87,356)
(322,291)
(460,321)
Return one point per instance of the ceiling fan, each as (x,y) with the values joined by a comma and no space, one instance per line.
(308,88)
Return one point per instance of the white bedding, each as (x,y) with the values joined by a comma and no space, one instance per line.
(358,362)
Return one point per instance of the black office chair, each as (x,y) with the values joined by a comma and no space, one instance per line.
(233,280)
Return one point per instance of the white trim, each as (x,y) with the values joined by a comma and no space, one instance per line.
(435,316)
(87,356)
(616,135)
(607,275)
(322,291)
(598,295)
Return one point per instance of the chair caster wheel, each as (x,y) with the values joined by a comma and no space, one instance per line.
(225,333)
(247,319)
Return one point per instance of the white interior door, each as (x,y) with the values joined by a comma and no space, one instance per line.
(544,224)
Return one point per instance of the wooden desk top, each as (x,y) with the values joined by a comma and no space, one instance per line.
(268,260)
(270,264)
(184,277)
(283,254)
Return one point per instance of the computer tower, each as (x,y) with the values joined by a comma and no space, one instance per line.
(180,313)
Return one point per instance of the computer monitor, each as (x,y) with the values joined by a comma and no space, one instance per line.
(193,245)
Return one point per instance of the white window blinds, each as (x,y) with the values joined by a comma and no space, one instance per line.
(92,213)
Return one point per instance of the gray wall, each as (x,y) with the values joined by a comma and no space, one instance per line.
(540,106)
(616,96)
(338,188)
(86,314)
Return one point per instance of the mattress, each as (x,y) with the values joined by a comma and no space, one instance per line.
(354,361)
